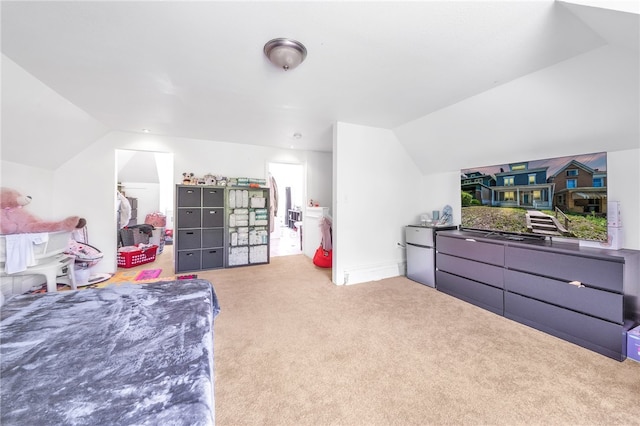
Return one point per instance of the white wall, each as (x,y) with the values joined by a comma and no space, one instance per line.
(135,169)
(624,186)
(319,182)
(40,128)
(32,181)
(94,176)
(589,103)
(441,189)
(377,192)
(148,196)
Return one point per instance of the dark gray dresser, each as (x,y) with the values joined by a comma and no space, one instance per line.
(583,295)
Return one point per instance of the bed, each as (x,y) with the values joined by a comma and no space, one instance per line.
(124,354)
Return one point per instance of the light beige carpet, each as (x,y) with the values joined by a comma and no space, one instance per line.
(291,348)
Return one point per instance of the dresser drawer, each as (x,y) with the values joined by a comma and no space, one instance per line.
(189,260)
(213,197)
(483,272)
(213,217)
(212,258)
(592,333)
(598,303)
(471,249)
(487,297)
(189,218)
(595,272)
(213,237)
(188,239)
(189,196)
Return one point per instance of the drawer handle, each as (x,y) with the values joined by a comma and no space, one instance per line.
(212,212)
(213,192)
(189,212)
(576,283)
(189,254)
(189,233)
(189,191)
(213,251)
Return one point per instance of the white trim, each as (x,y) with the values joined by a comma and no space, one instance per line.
(374,272)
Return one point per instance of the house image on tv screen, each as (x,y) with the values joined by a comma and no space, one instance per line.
(564,196)
(479,185)
(572,187)
(519,186)
(580,189)
(522,186)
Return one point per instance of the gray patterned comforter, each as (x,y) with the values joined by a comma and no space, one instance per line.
(130,354)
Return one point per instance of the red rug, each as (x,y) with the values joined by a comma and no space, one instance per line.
(148,274)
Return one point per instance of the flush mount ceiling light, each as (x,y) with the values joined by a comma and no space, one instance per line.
(285,53)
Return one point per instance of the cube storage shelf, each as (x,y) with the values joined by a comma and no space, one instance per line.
(213,231)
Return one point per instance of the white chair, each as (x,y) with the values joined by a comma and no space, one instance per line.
(51,261)
(59,265)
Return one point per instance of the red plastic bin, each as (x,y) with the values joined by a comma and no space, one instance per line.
(129,259)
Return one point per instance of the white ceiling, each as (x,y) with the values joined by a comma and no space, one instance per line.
(197,70)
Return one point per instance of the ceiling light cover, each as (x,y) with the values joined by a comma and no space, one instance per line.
(285,53)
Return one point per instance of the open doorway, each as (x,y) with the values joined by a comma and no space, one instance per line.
(288,203)
(145,180)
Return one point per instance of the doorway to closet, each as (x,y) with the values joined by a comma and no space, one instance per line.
(144,187)
(287,204)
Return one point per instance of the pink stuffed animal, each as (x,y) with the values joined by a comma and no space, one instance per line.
(16,220)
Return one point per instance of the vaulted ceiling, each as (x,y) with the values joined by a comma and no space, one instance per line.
(75,70)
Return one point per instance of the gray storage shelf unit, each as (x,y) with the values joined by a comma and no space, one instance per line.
(587,296)
(199,233)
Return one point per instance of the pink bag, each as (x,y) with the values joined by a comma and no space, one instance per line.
(157,220)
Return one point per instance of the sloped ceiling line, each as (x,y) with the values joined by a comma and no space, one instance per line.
(400,64)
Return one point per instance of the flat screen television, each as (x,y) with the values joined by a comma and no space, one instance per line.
(564,197)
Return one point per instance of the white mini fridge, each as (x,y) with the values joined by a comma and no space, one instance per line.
(421,253)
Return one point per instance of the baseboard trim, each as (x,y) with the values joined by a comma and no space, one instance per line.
(373,273)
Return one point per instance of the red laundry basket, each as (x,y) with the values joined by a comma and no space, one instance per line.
(129,259)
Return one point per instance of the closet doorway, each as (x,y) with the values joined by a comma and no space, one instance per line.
(287,206)
(145,178)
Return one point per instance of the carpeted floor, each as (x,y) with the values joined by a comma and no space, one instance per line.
(294,349)
(135,275)
(159,270)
